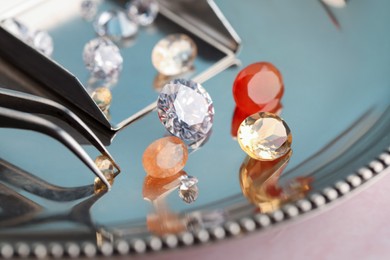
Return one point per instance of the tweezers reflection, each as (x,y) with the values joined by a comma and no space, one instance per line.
(17,209)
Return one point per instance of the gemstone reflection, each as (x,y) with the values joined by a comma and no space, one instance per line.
(259,181)
(163,220)
(155,188)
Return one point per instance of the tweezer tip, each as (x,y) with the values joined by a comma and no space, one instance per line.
(108,185)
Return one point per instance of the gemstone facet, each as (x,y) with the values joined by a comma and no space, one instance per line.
(174,54)
(188,189)
(185,109)
(256,86)
(102,97)
(143,12)
(102,58)
(165,157)
(107,168)
(116,25)
(264,136)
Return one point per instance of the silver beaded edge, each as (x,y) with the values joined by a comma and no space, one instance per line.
(229,229)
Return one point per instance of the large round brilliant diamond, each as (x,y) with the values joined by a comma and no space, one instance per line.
(185,109)
(102,58)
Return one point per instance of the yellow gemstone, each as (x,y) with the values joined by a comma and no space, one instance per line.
(102,97)
(264,136)
(165,157)
(107,168)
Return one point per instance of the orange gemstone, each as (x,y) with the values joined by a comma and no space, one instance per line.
(165,157)
(256,86)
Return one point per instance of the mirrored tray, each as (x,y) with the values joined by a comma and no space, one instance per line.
(335,65)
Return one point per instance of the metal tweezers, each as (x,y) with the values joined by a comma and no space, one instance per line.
(16,110)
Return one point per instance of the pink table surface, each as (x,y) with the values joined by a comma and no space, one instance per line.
(355,228)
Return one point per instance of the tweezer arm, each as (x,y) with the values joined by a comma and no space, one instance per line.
(15,119)
(22,179)
(33,104)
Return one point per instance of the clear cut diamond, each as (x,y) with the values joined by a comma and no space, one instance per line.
(143,12)
(40,40)
(188,189)
(102,58)
(185,109)
(17,28)
(43,42)
(116,25)
(174,54)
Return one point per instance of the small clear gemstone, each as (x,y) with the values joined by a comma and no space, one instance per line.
(40,40)
(186,109)
(102,97)
(17,28)
(102,58)
(88,9)
(107,168)
(143,12)
(174,54)
(116,25)
(43,42)
(264,136)
(188,190)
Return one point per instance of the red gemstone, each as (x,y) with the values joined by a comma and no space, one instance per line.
(256,86)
